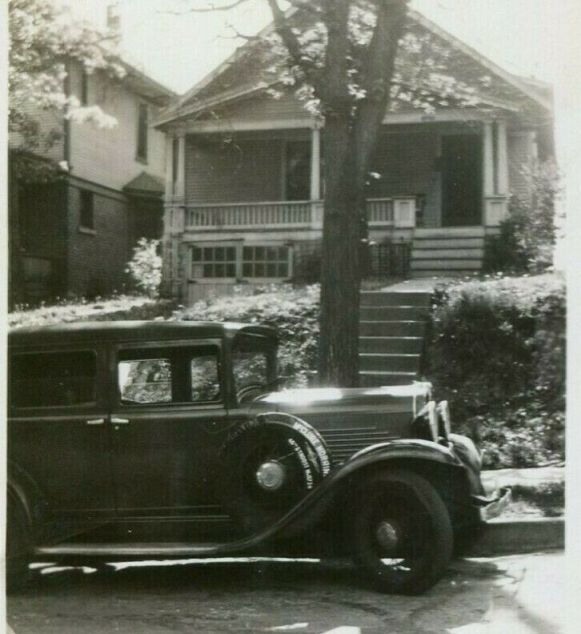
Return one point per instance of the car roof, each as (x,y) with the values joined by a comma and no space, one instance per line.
(100,331)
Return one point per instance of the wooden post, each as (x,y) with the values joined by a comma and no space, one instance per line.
(169,139)
(488,160)
(179,190)
(501,159)
(316,164)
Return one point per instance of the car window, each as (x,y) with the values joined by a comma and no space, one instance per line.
(145,380)
(169,375)
(53,379)
(250,368)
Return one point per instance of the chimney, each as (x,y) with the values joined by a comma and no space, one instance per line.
(114,21)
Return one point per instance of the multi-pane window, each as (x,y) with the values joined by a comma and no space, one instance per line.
(266,261)
(42,379)
(214,262)
(87,209)
(142,130)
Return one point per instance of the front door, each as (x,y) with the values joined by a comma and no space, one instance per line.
(461,180)
(168,423)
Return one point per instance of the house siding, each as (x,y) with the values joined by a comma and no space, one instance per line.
(264,107)
(241,170)
(520,156)
(108,156)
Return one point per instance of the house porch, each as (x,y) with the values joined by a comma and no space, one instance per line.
(247,205)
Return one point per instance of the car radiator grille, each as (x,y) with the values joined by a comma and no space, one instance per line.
(343,443)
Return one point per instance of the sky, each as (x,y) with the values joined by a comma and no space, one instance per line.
(178,47)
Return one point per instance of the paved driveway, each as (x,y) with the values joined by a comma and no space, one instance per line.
(504,595)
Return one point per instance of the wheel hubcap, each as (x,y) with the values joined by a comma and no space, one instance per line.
(387,535)
(270,475)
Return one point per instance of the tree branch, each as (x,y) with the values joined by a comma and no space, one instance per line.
(209,8)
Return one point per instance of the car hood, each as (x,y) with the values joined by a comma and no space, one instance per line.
(350,419)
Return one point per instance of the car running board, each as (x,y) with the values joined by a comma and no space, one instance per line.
(131,550)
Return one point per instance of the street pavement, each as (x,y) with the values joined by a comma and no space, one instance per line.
(518,594)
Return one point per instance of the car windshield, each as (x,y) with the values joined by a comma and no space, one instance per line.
(254,362)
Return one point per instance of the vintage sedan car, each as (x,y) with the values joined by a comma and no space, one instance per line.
(174,439)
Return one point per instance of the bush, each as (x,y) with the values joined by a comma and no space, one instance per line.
(294,312)
(498,356)
(527,237)
(144,267)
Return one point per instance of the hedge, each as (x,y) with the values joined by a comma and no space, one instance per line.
(498,355)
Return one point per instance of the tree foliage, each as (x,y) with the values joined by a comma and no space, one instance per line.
(44,40)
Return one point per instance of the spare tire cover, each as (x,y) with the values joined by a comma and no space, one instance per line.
(268,464)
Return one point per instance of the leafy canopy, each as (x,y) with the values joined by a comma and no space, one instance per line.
(44,39)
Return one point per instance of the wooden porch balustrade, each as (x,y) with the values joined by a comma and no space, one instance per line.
(291,214)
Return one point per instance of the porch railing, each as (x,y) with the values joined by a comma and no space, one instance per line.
(288,214)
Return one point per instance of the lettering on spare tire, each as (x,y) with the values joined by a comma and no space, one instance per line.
(304,462)
(315,443)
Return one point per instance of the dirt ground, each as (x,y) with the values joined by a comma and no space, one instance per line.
(519,594)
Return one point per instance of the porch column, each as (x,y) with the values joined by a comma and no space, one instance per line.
(179,185)
(501,159)
(168,167)
(315,164)
(488,159)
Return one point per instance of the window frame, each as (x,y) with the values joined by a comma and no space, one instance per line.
(84,405)
(142,136)
(86,202)
(84,96)
(165,346)
(239,247)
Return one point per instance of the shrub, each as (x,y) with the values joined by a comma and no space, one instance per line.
(498,355)
(144,267)
(527,237)
(293,311)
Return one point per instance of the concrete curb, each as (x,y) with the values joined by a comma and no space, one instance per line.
(511,537)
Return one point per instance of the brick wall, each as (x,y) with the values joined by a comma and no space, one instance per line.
(96,260)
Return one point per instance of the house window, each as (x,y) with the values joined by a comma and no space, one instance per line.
(265,261)
(142,130)
(87,209)
(214,262)
(84,88)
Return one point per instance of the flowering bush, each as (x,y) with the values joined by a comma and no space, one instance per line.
(145,266)
(498,355)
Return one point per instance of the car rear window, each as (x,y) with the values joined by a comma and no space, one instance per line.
(53,379)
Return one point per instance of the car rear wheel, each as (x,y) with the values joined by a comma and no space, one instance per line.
(402,533)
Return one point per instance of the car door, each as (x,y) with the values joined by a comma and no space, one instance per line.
(168,422)
(58,433)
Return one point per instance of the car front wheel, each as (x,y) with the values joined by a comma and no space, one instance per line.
(402,534)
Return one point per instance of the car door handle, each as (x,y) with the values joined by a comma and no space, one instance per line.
(96,421)
(119,421)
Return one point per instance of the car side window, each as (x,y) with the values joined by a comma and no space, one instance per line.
(53,379)
(169,375)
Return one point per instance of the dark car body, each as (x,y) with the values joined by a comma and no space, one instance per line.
(124,441)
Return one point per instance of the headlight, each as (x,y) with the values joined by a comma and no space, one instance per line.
(425,424)
(445,422)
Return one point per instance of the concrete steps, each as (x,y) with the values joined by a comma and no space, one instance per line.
(447,252)
(391,341)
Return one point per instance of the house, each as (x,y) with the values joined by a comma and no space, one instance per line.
(74,234)
(245,179)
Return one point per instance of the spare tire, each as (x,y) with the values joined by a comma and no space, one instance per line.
(268,465)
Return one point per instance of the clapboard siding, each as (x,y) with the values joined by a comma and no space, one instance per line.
(108,156)
(519,159)
(264,107)
(244,170)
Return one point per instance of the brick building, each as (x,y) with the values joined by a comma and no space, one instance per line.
(74,235)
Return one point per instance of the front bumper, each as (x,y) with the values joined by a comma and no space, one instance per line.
(493,506)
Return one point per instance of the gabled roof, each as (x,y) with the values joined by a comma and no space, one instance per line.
(245,72)
(145,86)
